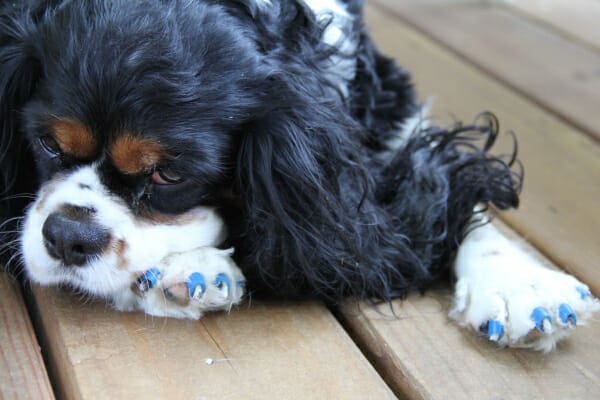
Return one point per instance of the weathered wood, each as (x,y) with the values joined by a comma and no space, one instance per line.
(542,65)
(422,354)
(577,19)
(266,351)
(22,372)
(559,208)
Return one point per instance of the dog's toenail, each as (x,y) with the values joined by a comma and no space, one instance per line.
(542,319)
(196,285)
(147,281)
(567,315)
(495,330)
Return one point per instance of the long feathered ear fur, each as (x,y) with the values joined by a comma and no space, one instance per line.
(19,72)
(324,218)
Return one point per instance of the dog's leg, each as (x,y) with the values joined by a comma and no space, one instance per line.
(185,285)
(514,299)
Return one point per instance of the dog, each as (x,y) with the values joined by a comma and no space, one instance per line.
(173,155)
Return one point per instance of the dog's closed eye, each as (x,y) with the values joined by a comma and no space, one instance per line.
(166,176)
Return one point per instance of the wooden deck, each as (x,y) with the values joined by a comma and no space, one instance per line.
(536,64)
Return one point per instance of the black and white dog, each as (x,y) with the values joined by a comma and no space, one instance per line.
(141,140)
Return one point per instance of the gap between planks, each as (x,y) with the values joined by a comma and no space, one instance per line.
(422,354)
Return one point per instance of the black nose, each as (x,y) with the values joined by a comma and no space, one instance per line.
(71,235)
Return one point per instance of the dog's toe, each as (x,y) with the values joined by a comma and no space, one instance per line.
(178,289)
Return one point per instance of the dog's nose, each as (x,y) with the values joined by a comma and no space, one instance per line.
(71,235)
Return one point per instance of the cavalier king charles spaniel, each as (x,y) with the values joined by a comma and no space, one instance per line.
(172,155)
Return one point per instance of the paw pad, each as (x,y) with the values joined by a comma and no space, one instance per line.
(567,315)
(196,285)
(542,319)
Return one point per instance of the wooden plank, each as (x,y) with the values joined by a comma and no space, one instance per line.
(559,208)
(424,355)
(552,70)
(265,351)
(22,371)
(578,19)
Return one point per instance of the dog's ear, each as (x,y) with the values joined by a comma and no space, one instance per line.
(292,168)
(19,73)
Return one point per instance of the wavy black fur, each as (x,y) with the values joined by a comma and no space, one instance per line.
(243,94)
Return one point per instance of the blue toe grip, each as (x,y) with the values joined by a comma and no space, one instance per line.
(495,328)
(194,280)
(566,314)
(151,277)
(538,316)
(584,292)
(222,278)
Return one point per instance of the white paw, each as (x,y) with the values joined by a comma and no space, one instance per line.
(506,294)
(185,285)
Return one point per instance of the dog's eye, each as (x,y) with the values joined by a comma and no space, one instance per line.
(50,145)
(166,176)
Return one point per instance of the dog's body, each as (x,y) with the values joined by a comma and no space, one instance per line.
(154,125)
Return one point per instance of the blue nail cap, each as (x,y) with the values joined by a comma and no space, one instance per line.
(151,276)
(584,292)
(194,280)
(222,278)
(495,328)
(538,316)
(566,314)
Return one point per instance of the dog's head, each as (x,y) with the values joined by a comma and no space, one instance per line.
(131,120)
(130,111)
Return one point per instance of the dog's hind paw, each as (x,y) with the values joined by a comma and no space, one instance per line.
(185,285)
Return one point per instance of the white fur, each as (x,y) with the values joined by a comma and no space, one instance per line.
(177,267)
(411,126)
(499,281)
(340,34)
(146,243)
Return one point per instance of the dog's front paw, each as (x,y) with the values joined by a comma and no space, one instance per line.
(517,312)
(185,285)
(509,296)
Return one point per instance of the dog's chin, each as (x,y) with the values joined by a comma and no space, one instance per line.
(132,245)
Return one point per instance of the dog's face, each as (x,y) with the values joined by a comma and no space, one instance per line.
(140,118)
(133,124)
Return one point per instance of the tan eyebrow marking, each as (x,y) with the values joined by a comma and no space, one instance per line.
(74,138)
(133,154)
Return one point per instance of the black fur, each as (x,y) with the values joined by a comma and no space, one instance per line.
(242,95)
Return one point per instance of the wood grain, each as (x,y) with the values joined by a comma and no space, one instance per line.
(422,354)
(577,19)
(267,351)
(559,207)
(22,372)
(550,69)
